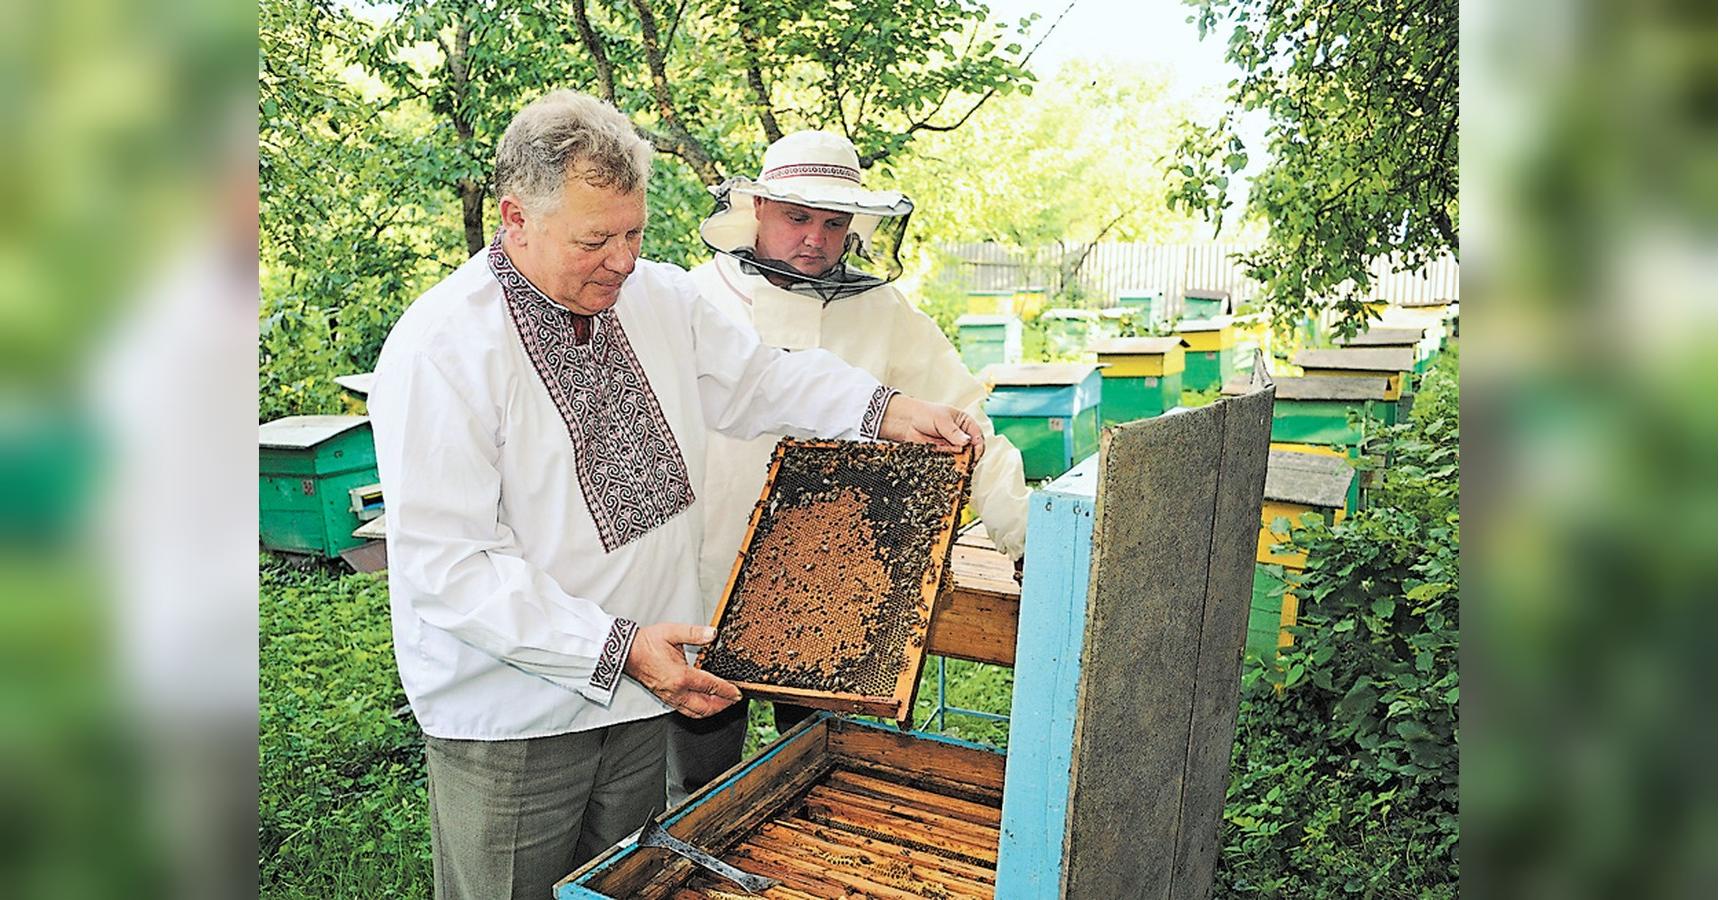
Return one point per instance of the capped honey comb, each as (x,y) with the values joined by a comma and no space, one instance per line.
(828,603)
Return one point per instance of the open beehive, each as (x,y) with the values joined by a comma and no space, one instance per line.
(829,600)
(1127,660)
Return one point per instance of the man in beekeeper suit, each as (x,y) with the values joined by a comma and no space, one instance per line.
(785,263)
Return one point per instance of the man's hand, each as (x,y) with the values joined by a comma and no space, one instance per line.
(918,422)
(657,662)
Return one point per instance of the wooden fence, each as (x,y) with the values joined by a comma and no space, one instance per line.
(1169,268)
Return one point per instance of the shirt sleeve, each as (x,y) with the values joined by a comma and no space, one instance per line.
(747,388)
(925,365)
(452,563)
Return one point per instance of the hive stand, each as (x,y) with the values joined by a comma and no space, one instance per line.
(1127,647)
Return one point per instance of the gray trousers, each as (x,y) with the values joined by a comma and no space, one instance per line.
(511,818)
(701,749)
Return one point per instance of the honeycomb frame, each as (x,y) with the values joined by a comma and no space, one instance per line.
(845,554)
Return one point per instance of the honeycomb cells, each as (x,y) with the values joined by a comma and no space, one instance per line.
(835,579)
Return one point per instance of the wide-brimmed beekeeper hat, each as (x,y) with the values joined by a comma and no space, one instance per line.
(820,170)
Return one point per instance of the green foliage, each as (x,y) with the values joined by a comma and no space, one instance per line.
(377,128)
(1344,777)
(341,786)
(1060,165)
(1362,101)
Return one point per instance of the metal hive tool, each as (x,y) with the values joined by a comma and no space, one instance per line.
(828,603)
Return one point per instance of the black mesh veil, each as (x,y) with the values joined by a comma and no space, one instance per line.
(871,258)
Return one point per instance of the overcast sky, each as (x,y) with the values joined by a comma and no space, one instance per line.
(1153,32)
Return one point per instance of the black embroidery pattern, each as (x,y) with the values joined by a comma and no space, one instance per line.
(614,656)
(630,468)
(873,419)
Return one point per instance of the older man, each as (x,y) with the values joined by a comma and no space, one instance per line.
(541,419)
(784,244)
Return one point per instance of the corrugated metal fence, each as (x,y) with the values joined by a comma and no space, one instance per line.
(1170,268)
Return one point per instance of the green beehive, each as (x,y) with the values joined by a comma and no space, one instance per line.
(1265,614)
(1147,306)
(1142,376)
(988,340)
(1419,340)
(1211,352)
(1203,303)
(1068,331)
(1111,321)
(1330,414)
(308,467)
(1049,411)
(1394,364)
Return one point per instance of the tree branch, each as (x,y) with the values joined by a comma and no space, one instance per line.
(684,145)
(594,46)
(925,124)
(749,40)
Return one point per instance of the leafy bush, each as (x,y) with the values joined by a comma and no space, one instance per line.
(1344,778)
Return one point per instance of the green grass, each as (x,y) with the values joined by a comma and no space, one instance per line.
(342,805)
(341,792)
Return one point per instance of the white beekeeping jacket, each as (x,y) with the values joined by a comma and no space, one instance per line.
(878,331)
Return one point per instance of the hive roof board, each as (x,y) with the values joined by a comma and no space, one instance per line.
(1317,388)
(358,383)
(1387,337)
(984,319)
(1036,374)
(1136,346)
(1066,313)
(302,432)
(830,598)
(1206,294)
(1367,359)
(1427,301)
(1187,325)
(1310,479)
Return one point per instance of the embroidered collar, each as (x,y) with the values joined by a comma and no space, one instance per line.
(518,287)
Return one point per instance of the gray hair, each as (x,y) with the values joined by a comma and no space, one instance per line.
(568,134)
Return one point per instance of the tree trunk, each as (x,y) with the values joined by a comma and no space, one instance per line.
(471,210)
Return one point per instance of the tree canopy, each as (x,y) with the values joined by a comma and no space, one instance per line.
(378,125)
(1362,103)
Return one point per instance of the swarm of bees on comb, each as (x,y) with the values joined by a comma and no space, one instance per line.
(847,550)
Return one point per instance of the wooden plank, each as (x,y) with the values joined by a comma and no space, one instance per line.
(947,787)
(978,813)
(809,875)
(890,869)
(942,758)
(840,838)
(896,828)
(1047,680)
(979,617)
(962,829)
(1217,673)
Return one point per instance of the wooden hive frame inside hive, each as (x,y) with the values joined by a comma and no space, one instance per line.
(772,618)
